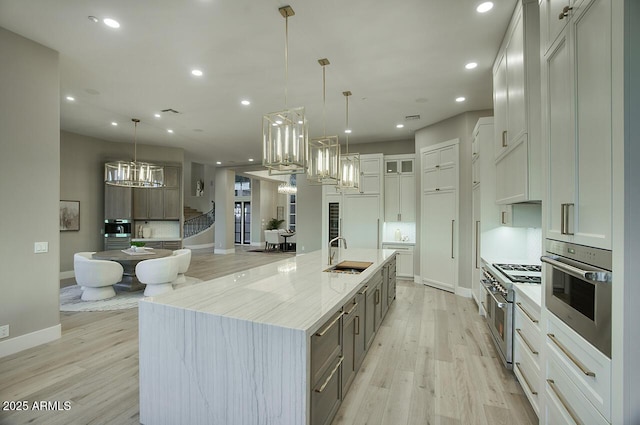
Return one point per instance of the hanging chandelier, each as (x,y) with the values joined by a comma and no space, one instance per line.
(287,189)
(324,152)
(285,133)
(134,173)
(349,162)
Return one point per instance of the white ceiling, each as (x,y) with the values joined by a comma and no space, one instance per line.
(398,58)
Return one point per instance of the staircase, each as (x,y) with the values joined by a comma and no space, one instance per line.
(191,213)
(196,221)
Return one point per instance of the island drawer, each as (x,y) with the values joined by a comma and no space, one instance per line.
(326,346)
(326,395)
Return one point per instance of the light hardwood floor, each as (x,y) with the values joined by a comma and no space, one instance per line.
(432,362)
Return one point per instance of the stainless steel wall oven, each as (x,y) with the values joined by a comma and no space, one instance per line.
(578,289)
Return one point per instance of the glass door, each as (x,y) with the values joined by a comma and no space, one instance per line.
(242,222)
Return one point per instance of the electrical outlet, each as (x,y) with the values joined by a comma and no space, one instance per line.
(4,331)
(40,247)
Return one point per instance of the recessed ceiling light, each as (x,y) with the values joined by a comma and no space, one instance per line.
(169,131)
(460,99)
(399,125)
(115,124)
(246,103)
(71,98)
(196,72)
(156,115)
(484,7)
(348,131)
(93,19)
(250,159)
(218,163)
(471,65)
(111,23)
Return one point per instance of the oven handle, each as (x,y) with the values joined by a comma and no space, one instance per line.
(588,275)
(500,304)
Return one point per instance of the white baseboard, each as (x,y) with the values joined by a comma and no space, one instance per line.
(22,342)
(463,292)
(67,275)
(224,251)
(416,279)
(201,246)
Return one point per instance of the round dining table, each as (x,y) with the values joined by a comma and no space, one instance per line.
(129,260)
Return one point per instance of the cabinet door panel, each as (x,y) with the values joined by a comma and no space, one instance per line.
(512,176)
(156,203)
(391,197)
(117,202)
(448,156)
(361,221)
(438,236)
(430,180)
(447,178)
(140,203)
(516,117)
(593,126)
(499,105)
(171,204)
(407,198)
(171,176)
(561,138)
(430,160)
(551,25)
(369,183)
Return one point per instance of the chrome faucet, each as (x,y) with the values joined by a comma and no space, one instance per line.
(338,238)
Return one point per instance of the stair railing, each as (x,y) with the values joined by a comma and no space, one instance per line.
(202,222)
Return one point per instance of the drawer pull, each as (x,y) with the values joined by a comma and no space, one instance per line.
(351,309)
(526,381)
(330,325)
(571,357)
(529,346)
(562,400)
(357,319)
(364,290)
(533,319)
(333,372)
(376,297)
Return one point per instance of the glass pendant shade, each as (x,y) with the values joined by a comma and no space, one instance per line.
(133,174)
(287,189)
(324,160)
(349,171)
(285,136)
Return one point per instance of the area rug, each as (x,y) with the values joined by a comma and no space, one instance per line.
(70,299)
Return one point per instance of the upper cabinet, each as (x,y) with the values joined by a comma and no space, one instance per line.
(516,80)
(371,173)
(577,101)
(117,202)
(399,188)
(439,169)
(162,203)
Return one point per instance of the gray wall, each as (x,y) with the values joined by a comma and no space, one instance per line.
(457,127)
(395,147)
(308,216)
(200,203)
(224,191)
(29,184)
(82,161)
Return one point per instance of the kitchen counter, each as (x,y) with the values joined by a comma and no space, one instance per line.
(398,243)
(155,239)
(236,349)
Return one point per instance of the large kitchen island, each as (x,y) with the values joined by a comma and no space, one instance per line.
(276,344)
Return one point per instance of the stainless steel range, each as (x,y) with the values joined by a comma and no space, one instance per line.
(499,299)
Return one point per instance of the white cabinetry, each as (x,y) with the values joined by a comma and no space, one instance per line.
(527,348)
(356,215)
(399,189)
(371,173)
(577,375)
(439,219)
(404,258)
(577,123)
(516,80)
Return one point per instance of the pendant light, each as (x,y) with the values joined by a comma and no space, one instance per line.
(285,133)
(324,152)
(134,173)
(349,162)
(287,189)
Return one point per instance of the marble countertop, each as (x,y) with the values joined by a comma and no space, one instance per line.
(294,293)
(398,243)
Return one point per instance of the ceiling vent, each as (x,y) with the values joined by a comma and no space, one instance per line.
(412,117)
(170,110)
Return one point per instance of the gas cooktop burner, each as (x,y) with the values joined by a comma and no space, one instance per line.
(525,279)
(519,267)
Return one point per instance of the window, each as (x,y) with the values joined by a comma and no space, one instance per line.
(292,205)
(243,186)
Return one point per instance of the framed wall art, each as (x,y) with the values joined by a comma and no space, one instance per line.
(69,216)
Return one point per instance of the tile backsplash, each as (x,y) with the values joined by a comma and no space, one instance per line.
(407,231)
(159,229)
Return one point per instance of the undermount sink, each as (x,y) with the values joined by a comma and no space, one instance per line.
(349,267)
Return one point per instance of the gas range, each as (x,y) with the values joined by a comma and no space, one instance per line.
(521,273)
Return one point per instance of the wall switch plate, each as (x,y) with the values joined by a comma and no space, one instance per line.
(40,247)
(4,331)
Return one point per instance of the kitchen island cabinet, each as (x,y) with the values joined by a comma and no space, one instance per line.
(240,349)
